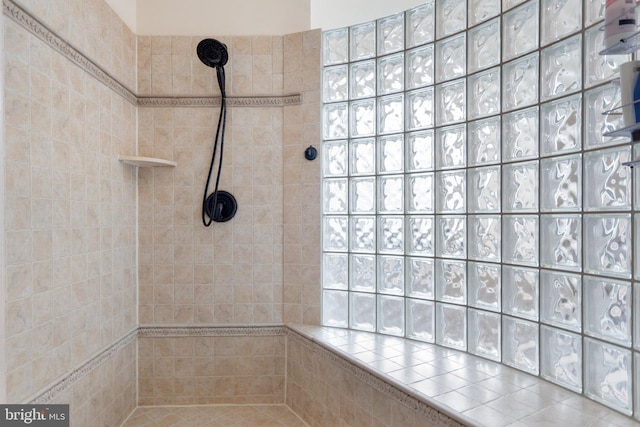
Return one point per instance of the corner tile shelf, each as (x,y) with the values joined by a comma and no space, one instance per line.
(146,162)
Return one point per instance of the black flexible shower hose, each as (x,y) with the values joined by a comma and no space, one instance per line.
(222,123)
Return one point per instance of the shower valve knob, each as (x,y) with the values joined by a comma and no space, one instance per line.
(310,153)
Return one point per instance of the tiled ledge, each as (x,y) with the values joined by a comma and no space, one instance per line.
(470,390)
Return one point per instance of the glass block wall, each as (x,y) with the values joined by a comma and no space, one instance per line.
(469,196)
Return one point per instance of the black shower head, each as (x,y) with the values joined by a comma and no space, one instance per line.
(212,53)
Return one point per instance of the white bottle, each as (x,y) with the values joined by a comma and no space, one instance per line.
(620,21)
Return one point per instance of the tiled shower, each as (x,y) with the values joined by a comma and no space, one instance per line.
(116,296)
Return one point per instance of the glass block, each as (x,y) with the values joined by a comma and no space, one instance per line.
(335,83)
(362,195)
(391,315)
(484,238)
(420,190)
(335,121)
(636,357)
(520,292)
(451,192)
(363,234)
(391,34)
(362,312)
(636,239)
(636,302)
(363,79)
(561,125)
(608,244)
(484,334)
(636,177)
(451,58)
(520,187)
(599,68)
(334,158)
(607,180)
(391,275)
(420,320)
(484,94)
(420,151)
(451,281)
(561,183)
(508,4)
(335,272)
(481,10)
(335,197)
(596,102)
(362,155)
(390,194)
(451,148)
(484,189)
(561,238)
(485,286)
(391,74)
(520,239)
(420,235)
(484,141)
(420,25)
(335,233)
(335,46)
(420,278)
(390,235)
(484,46)
(561,69)
(451,102)
(561,361)
(335,308)
(560,18)
(561,299)
(419,66)
(607,309)
(607,377)
(362,273)
(594,11)
(391,114)
(451,17)
(520,30)
(420,109)
(362,118)
(451,237)
(363,41)
(390,154)
(451,326)
(520,82)
(520,343)
(520,135)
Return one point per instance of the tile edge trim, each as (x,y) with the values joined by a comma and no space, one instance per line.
(210,331)
(74,376)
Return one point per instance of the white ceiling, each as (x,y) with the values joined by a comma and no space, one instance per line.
(249,17)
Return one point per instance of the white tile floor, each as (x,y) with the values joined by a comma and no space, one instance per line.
(485,392)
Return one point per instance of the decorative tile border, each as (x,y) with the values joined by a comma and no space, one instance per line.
(210,331)
(153,331)
(44,33)
(232,101)
(79,373)
(40,30)
(377,382)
